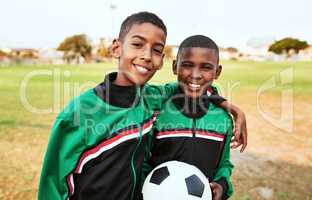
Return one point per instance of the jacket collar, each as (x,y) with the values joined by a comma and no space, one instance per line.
(116,95)
(192,108)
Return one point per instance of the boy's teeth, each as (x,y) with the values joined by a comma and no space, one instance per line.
(194,85)
(141,69)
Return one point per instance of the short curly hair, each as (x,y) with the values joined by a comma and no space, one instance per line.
(198,41)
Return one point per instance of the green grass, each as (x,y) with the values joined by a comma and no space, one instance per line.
(252,75)
(40,89)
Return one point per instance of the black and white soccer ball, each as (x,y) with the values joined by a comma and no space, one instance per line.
(175,180)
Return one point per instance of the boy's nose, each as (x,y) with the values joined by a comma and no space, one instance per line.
(147,55)
(196,74)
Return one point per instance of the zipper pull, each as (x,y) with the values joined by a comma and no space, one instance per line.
(194,127)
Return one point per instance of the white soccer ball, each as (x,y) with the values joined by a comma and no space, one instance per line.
(175,180)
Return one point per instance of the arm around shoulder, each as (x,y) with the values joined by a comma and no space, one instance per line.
(156,95)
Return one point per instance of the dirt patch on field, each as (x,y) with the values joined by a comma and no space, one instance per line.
(278,162)
(257,177)
(22,152)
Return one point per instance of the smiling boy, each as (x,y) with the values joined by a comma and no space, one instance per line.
(96,147)
(201,132)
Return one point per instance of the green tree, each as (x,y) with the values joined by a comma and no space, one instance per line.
(103,51)
(232,50)
(287,44)
(75,46)
(3,54)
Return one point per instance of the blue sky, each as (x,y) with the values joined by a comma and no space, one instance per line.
(45,23)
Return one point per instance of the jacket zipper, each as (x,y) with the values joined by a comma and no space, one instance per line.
(193,136)
(132,163)
(194,127)
(133,168)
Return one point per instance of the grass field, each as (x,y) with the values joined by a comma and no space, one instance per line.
(278,158)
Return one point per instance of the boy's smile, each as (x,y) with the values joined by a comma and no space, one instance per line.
(196,69)
(140,54)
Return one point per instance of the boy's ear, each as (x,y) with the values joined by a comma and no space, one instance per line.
(174,67)
(219,70)
(116,48)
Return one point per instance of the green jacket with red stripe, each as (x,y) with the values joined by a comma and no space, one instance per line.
(195,132)
(97,144)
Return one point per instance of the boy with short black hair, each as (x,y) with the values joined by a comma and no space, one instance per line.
(98,143)
(97,146)
(190,128)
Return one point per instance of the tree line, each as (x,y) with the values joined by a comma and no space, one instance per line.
(77,46)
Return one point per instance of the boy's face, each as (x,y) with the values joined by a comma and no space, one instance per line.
(140,54)
(196,69)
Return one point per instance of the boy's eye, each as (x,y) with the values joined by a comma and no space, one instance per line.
(137,44)
(186,65)
(159,51)
(207,67)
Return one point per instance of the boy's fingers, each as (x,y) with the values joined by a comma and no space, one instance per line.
(244,140)
(236,132)
(244,145)
(239,135)
(235,144)
(232,139)
(236,140)
(216,193)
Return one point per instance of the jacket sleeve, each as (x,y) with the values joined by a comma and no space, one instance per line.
(224,170)
(214,97)
(156,95)
(64,148)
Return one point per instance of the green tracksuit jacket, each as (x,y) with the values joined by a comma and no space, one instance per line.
(195,132)
(97,144)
